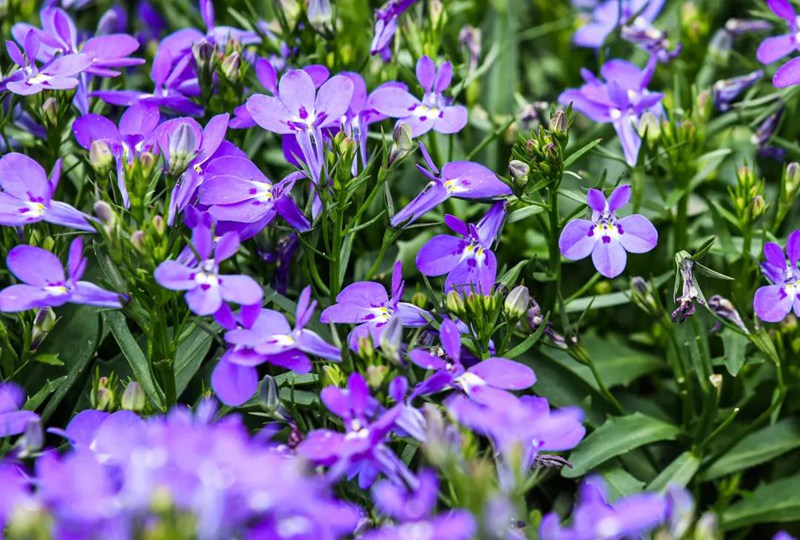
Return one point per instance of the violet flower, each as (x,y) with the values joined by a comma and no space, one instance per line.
(776,47)
(265,336)
(366,304)
(13,419)
(594,517)
(362,450)
(467,259)
(27,195)
(57,74)
(622,100)
(608,238)
(647,37)
(773,303)
(458,179)
(386,27)
(207,289)
(486,379)
(727,90)
(610,14)
(300,109)
(45,284)
(434,111)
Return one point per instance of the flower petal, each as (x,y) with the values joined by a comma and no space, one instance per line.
(577,241)
(609,258)
(771,303)
(35,266)
(234,384)
(637,234)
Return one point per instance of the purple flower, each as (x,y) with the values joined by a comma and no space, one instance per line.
(386,27)
(774,302)
(609,14)
(45,284)
(434,112)
(647,37)
(621,100)
(13,420)
(236,190)
(607,238)
(57,74)
(727,90)
(366,304)
(27,195)
(776,47)
(361,113)
(362,450)
(467,259)
(300,109)
(207,289)
(266,336)
(458,179)
(487,379)
(596,519)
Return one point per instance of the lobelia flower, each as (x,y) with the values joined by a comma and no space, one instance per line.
(207,289)
(45,284)
(458,179)
(597,519)
(413,509)
(764,133)
(434,112)
(126,142)
(234,189)
(621,100)
(485,380)
(773,303)
(607,238)
(13,419)
(361,113)
(300,109)
(776,47)
(27,195)
(57,74)
(467,259)
(727,90)
(366,304)
(386,27)
(362,450)
(266,336)
(647,37)
(609,14)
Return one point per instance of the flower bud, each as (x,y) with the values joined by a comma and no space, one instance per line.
(706,527)
(159,225)
(758,206)
(402,143)
(100,157)
(720,46)
(182,146)
(392,340)
(270,399)
(319,12)
(642,296)
(791,178)
(105,213)
(332,375)
(50,112)
(724,309)
(436,11)
(32,438)
(455,304)
(231,67)
(559,123)
(519,172)
(203,53)
(419,299)
(104,395)
(43,324)
(147,160)
(517,302)
(109,22)
(376,375)
(133,398)
(138,240)
(470,39)
(649,127)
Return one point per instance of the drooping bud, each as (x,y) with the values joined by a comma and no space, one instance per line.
(392,340)
(724,309)
(727,90)
(100,157)
(690,293)
(133,398)
(182,146)
(737,27)
(470,39)
(402,143)
(519,171)
(516,302)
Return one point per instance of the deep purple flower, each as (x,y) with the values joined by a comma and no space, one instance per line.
(386,27)
(57,74)
(27,195)
(727,90)
(609,14)
(467,259)
(596,519)
(300,109)
(774,302)
(45,284)
(776,47)
(607,238)
(13,420)
(621,100)
(266,336)
(458,179)
(236,190)
(207,289)
(486,379)
(434,111)
(362,450)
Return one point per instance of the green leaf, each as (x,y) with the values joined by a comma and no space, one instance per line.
(679,472)
(524,213)
(189,356)
(620,482)
(36,400)
(756,448)
(529,341)
(137,360)
(617,435)
(575,156)
(49,358)
(769,503)
(512,275)
(734,345)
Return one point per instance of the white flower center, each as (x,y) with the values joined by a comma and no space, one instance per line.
(56,290)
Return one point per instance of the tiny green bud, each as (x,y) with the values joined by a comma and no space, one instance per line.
(159,225)
(105,213)
(419,299)
(138,240)
(402,143)
(147,160)
(436,10)
(133,398)
(332,375)
(376,375)
(455,304)
(100,157)
(791,177)
(104,396)
(649,127)
(706,527)
(43,324)
(517,301)
(758,206)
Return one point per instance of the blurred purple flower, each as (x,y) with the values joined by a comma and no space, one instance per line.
(467,259)
(607,238)
(45,284)
(434,112)
(386,27)
(207,289)
(647,37)
(773,303)
(621,100)
(610,14)
(727,90)
(458,179)
(776,47)
(13,420)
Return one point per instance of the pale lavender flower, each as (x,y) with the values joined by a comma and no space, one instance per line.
(607,15)
(773,303)
(13,419)
(386,27)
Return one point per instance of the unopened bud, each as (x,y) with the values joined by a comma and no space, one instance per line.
(436,10)
(100,157)
(392,340)
(376,375)
(791,178)
(559,123)
(455,304)
(43,324)
(706,527)
(32,438)
(159,225)
(470,39)
(402,143)
(519,171)
(105,213)
(231,66)
(516,302)
(138,240)
(726,310)
(319,12)
(50,112)
(147,160)
(758,206)
(109,23)
(104,396)
(419,299)
(203,52)
(649,127)
(332,375)
(270,399)
(133,398)
(182,146)
(642,296)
